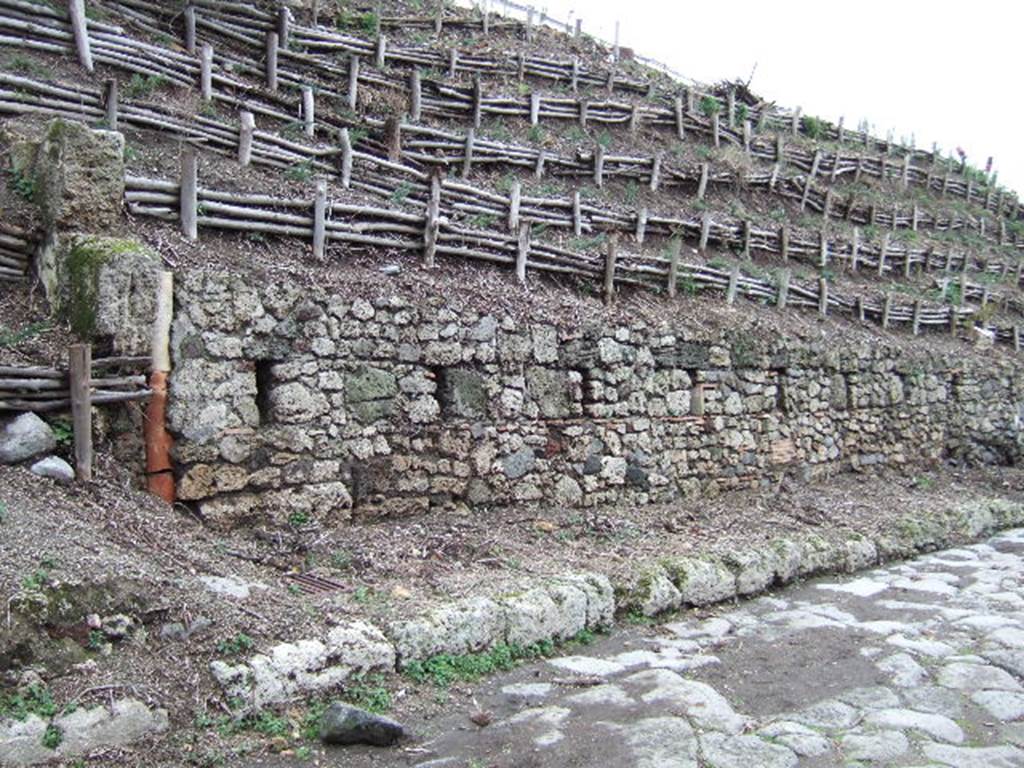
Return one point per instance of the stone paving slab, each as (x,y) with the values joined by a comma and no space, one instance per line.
(915,664)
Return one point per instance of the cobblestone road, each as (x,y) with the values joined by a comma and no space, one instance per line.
(916,664)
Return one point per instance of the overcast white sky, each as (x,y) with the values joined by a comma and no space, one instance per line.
(946,72)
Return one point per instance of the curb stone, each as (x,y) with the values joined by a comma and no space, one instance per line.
(556,609)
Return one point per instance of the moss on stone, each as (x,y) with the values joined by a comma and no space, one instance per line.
(83,264)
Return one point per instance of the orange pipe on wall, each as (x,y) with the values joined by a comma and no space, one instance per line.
(159,470)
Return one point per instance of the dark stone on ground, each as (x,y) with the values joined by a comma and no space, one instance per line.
(344,724)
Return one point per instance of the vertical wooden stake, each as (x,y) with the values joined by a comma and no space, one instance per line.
(609,270)
(784,242)
(110,103)
(246,128)
(522,253)
(353,82)
(190,30)
(574,82)
(381,56)
(415,95)
(534,108)
(854,249)
(189,196)
(320,220)
(283,26)
(886,310)
(271,61)
(882,252)
(577,217)
(716,130)
(467,159)
(783,296)
(80,28)
(477,102)
(641,226)
(453,61)
(599,165)
(680,127)
(513,206)
(823,297)
(656,171)
(308,112)
(702,184)
(432,223)
(675,247)
(346,158)
(734,280)
(917,317)
(80,382)
(393,133)
(206,72)
(796,121)
(705,233)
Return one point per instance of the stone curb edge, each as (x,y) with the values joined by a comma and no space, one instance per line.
(558,608)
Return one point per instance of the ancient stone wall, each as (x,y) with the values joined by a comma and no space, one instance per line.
(288,405)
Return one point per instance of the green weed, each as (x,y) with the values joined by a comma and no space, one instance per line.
(710,106)
(300,171)
(143,86)
(814,127)
(401,192)
(236,645)
(52,737)
(24,185)
(34,700)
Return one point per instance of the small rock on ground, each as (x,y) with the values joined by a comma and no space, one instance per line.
(344,724)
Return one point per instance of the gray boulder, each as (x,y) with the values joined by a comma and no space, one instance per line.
(54,468)
(25,437)
(344,724)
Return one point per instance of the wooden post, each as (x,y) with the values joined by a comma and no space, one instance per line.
(189,195)
(823,297)
(634,119)
(917,317)
(784,242)
(748,236)
(432,222)
(320,220)
(308,112)
(80,382)
(822,249)
(641,226)
(599,165)
(615,49)
(271,51)
(675,247)
(609,270)
(477,102)
(783,295)
(574,81)
(702,183)
(705,233)
(206,72)
(190,30)
(747,132)
(467,159)
(730,107)
(734,279)
(439,19)
(1016,338)
(780,147)
(680,128)
(579,29)
(246,128)
(534,108)
(577,217)
(840,136)
(353,81)
(656,171)
(810,178)
(826,210)
(283,26)
(513,206)
(110,103)
(380,58)
(905,175)
(80,28)
(415,95)
(346,158)
(854,249)
(583,113)
(453,61)
(393,133)
(529,25)
(716,130)
(796,121)
(886,310)
(522,253)
(882,251)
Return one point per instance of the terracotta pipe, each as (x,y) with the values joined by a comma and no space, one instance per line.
(159,468)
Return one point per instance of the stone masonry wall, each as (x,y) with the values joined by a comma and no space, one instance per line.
(288,406)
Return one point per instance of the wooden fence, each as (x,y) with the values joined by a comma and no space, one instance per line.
(450,102)
(322,222)
(421,147)
(112,380)
(378,176)
(17,245)
(247,24)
